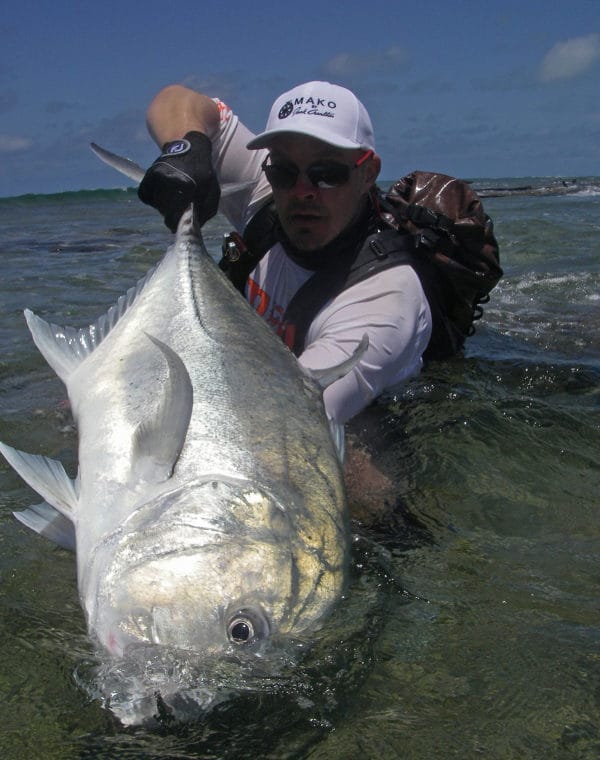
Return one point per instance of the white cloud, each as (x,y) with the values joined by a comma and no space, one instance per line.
(570,58)
(10,144)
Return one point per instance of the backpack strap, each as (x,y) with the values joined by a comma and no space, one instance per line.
(241,254)
(379,251)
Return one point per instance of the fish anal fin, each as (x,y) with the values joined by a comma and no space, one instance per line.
(50,523)
(338,436)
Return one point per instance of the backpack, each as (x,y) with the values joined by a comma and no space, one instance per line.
(456,253)
(433,222)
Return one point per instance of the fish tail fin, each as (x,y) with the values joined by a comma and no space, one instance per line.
(135,172)
(46,476)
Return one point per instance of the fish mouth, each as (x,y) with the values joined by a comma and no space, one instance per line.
(158,685)
(155,686)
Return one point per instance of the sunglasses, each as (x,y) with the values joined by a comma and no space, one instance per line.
(323,174)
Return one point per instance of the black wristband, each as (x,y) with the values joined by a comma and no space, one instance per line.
(196,141)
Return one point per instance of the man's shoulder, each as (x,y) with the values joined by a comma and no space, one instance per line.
(397,286)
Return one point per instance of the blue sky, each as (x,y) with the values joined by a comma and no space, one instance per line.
(470,88)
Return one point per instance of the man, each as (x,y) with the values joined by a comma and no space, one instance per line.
(316,159)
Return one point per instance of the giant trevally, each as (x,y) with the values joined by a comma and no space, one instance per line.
(208,513)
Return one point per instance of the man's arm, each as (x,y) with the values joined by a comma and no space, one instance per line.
(392,309)
(182,122)
(370,493)
(177,110)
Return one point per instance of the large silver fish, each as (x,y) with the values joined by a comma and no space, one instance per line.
(208,513)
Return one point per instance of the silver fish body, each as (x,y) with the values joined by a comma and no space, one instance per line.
(208,513)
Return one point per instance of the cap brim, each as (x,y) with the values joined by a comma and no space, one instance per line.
(264,139)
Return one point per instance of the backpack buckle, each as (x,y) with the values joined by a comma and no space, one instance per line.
(427,237)
(422,216)
(233,247)
(378,249)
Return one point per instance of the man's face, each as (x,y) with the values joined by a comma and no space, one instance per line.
(310,215)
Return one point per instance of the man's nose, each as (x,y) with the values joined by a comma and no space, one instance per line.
(304,188)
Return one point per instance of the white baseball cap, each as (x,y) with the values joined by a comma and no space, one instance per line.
(321,110)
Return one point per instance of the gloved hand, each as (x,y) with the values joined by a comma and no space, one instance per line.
(181,175)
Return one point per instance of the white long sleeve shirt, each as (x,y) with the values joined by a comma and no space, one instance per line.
(390,307)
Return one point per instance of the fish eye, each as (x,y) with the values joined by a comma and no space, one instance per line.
(240,630)
(247,626)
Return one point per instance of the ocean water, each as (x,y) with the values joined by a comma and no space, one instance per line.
(472,624)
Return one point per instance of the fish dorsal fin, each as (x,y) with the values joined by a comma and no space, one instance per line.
(135,172)
(50,523)
(64,348)
(46,476)
(158,441)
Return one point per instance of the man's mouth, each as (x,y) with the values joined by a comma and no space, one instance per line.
(304,215)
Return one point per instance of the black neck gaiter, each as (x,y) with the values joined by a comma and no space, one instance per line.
(338,250)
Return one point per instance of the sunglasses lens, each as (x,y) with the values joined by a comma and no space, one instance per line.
(325,175)
(280,176)
(328,175)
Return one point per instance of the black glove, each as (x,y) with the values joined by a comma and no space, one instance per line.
(181,175)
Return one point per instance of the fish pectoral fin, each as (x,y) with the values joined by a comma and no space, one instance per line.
(50,523)
(158,441)
(328,375)
(46,476)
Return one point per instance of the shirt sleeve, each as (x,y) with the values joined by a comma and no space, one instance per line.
(392,309)
(234,163)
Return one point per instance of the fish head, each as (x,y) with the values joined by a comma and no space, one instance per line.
(247,568)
